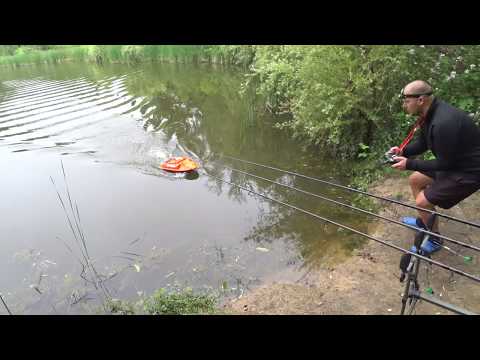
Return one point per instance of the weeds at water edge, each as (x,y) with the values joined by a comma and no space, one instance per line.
(72,214)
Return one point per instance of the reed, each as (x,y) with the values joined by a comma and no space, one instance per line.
(35,57)
(72,214)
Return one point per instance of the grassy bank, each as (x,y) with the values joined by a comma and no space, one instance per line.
(130,54)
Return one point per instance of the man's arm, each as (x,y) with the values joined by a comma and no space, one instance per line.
(446,137)
(419,146)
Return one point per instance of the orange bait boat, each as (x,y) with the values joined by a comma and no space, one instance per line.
(179,164)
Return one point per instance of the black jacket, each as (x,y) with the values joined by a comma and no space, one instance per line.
(453,138)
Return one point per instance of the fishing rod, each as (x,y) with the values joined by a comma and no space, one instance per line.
(417,294)
(466,258)
(446,267)
(357,191)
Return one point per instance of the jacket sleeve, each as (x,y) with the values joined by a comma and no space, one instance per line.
(445,135)
(419,146)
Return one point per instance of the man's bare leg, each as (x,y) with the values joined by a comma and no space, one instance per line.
(422,202)
(418,183)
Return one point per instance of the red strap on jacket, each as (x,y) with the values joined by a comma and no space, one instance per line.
(418,124)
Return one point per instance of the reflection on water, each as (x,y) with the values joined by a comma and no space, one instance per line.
(112,126)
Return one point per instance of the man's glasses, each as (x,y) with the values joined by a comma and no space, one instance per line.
(406,96)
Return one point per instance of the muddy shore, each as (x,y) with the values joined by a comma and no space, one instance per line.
(368,281)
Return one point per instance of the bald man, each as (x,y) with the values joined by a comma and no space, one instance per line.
(454,139)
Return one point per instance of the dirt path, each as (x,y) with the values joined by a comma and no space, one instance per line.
(367,282)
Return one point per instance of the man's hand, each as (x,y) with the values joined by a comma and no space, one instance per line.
(401,163)
(395,150)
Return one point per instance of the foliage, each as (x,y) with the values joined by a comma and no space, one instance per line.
(7,50)
(21,55)
(363,152)
(342,96)
(132,54)
(238,55)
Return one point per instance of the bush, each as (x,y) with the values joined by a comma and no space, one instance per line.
(342,96)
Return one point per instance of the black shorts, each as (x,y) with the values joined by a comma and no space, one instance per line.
(449,188)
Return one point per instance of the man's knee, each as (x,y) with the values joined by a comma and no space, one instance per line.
(419,181)
(413,179)
(422,201)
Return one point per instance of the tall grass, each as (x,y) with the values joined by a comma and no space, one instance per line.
(129,54)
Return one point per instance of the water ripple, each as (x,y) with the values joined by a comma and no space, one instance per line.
(43,114)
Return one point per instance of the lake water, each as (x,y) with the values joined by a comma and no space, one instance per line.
(142,228)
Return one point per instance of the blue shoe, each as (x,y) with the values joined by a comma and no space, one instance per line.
(432,245)
(417,222)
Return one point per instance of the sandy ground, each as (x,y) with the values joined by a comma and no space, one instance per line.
(368,281)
